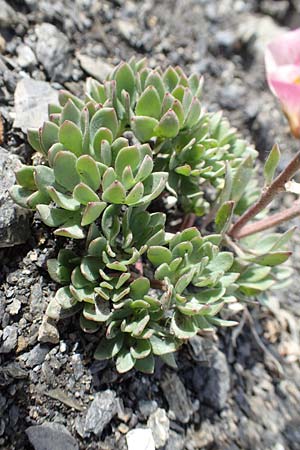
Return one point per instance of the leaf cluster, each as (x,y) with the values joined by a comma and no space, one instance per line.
(107,161)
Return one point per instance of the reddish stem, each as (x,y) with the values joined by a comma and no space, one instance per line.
(278,185)
(269,222)
(188,221)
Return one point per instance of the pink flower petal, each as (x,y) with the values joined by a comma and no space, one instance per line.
(288,94)
(282,60)
(284,50)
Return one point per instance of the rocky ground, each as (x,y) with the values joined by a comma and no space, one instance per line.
(240,390)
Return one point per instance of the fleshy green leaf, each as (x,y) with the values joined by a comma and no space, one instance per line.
(49,135)
(168,126)
(25,177)
(145,365)
(162,345)
(271,164)
(149,103)
(104,118)
(136,194)
(53,217)
(158,255)
(182,326)
(139,288)
(60,274)
(88,171)
(115,193)
(65,172)
(143,127)
(64,297)
(33,137)
(44,177)
(241,178)
(140,349)
(70,112)
(125,361)
(71,230)
(84,194)
(127,156)
(63,200)
(224,217)
(108,348)
(92,212)
(71,137)
(125,80)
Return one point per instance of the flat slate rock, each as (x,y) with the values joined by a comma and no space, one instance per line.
(50,436)
(99,414)
(31,103)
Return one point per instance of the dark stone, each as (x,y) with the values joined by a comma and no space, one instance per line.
(9,338)
(50,436)
(100,413)
(36,356)
(212,384)
(53,51)
(14,220)
(176,396)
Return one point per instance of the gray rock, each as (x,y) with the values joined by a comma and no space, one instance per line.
(14,221)
(36,299)
(231,96)
(14,307)
(14,225)
(48,331)
(77,366)
(26,57)
(256,31)
(9,338)
(213,383)
(36,356)
(95,67)
(175,442)
(202,438)
(31,103)
(8,15)
(218,383)
(159,423)
(100,413)
(202,349)
(140,439)
(127,28)
(2,427)
(13,370)
(51,436)
(176,396)
(2,402)
(226,40)
(53,51)
(277,9)
(147,407)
